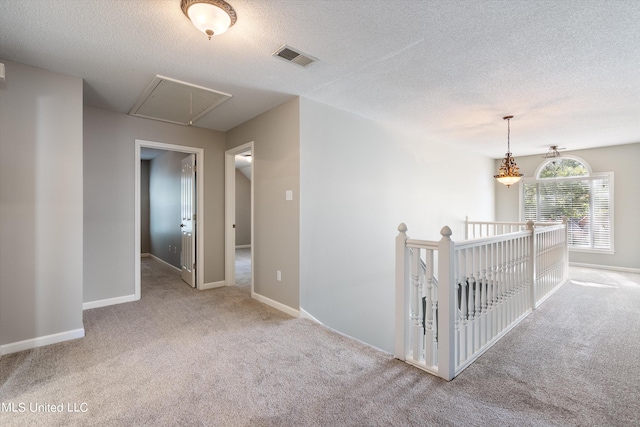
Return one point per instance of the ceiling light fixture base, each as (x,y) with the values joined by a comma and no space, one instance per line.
(212,17)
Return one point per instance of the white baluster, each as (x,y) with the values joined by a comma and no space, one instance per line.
(416,305)
(430,342)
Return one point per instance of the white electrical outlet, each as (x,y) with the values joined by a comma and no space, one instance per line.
(279,276)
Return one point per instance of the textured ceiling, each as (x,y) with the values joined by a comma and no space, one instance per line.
(569,71)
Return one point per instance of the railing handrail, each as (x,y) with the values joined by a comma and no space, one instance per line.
(537,224)
(549,228)
(491,239)
(422,244)
(495,228)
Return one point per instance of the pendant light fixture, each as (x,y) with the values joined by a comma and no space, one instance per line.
(212,17)
(508,173)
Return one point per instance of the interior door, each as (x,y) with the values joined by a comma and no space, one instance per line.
(188,224)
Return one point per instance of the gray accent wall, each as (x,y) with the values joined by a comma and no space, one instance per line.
(165,213)
(145,229)
(41,205)
(243,209)
(359,180)
(276,157)
(622,160)
(109,184)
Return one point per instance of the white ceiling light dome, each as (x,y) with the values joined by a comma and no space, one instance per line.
(212,17)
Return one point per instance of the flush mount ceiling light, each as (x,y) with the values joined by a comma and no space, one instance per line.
(212,17)
(508,173)
(553,152)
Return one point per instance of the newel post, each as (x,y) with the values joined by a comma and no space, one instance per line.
(532,264)
(402,293)
(446,306)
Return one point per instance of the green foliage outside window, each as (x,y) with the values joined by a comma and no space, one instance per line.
(563,168)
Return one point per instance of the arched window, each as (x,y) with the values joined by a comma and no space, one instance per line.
(566,187)
(562,168)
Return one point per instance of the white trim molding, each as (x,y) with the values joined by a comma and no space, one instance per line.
(165,263)
(200,228)
(304,314)
(605,267)
(230,211)
(41,341)
(275,304)
(213,285)
(109,301)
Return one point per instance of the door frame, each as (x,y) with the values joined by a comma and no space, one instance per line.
(230,209)
(199,153)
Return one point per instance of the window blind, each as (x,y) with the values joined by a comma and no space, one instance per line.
(585,202)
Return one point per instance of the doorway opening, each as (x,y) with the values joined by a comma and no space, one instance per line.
(239,216)
(198,245)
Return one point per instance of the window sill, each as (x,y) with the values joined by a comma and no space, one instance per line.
(593,251)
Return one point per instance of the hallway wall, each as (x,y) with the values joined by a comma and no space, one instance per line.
(359,180)
(109,187)
(41,208)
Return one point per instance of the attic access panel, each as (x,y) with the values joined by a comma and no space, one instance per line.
(174,101)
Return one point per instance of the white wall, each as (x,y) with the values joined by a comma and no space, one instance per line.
(109,168)
(359,180)
(622,160)
(41,198)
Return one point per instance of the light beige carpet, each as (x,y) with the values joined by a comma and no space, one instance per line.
(185,357)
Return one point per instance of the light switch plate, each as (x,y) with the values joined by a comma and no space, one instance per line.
(288,195)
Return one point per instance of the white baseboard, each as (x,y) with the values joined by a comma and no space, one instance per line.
(304,314)
(165,262)
(275,304)
(213,285)
(145,255)
(108,301)
(605,267)
(41,341)
(243,246)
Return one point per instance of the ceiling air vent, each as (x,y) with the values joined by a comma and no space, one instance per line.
(289,54)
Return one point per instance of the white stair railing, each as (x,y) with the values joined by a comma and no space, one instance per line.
(479,229)
(486,287)
(416,301)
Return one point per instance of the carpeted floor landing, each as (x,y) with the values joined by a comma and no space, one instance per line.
(218,358)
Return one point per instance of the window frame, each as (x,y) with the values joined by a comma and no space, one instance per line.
(590,176)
